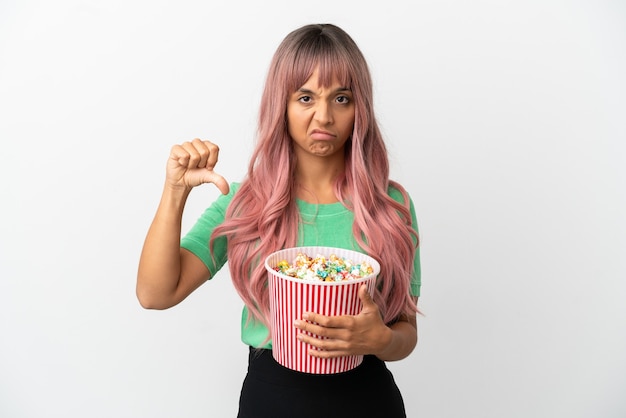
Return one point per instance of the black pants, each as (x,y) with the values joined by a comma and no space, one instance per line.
(273,391)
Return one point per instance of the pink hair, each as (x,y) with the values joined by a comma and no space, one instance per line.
(263,216)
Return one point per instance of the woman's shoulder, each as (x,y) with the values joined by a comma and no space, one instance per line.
(397,192)
(234,186)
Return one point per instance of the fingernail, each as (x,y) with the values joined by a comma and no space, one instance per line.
(305,315)
(296,323)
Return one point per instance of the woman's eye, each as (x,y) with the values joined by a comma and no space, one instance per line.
(343,99)
(305,99)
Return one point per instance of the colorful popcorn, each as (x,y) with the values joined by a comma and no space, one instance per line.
(321,268)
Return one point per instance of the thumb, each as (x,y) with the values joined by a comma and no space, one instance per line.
(219,181)
(366,298)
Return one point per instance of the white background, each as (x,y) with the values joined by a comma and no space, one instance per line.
(505,120)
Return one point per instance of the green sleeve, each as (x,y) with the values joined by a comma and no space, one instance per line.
(416,278)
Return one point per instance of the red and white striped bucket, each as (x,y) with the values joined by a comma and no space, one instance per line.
(290,297)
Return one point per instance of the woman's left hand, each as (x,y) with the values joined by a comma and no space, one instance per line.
(346,335)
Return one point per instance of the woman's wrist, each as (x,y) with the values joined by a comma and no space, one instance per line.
(174,197)
(399,341)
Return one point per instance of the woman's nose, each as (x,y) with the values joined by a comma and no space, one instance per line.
(323,113)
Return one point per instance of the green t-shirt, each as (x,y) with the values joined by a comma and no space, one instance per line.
(328,225)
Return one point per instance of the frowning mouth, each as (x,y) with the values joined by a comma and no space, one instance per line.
(322,135)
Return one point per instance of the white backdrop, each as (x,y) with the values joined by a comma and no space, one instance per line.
(505,120)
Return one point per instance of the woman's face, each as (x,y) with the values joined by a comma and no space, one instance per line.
(320,119)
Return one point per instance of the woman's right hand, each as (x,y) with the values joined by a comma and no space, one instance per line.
(191,164)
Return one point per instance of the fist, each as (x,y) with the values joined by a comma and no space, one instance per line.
(192,163)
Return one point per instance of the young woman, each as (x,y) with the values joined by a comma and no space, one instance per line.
(319,175)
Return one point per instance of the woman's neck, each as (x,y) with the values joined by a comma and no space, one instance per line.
(315,179)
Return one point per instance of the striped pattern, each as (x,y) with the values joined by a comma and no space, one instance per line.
(290,297)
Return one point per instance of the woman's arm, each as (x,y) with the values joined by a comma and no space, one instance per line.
(403,339)
(365,333)
(167,274)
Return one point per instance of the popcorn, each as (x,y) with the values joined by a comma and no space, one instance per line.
(321,268)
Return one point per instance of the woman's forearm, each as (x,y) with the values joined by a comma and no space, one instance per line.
(159,264)
(402,340)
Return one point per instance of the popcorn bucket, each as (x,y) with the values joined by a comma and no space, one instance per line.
(290,297)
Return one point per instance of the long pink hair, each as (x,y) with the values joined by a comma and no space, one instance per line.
(263,216)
